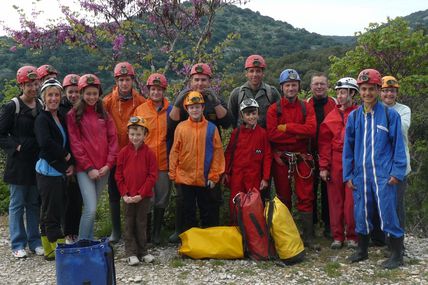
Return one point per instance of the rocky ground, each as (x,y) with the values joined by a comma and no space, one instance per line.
(324,267)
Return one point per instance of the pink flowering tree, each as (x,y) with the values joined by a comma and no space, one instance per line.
(147,33)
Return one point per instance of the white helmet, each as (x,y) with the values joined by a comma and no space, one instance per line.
(347,83)
(248,103)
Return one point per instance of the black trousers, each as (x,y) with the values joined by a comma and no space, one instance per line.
(113,190)
(73,206)
(52,189)
(207,200)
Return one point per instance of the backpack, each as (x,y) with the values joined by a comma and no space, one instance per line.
(18,106)
(252,224)
(241,94)
(279,110)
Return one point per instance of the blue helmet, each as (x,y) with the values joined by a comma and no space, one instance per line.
(288,75)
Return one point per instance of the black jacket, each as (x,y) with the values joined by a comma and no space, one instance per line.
(51,141)
(65,106)
(18,129)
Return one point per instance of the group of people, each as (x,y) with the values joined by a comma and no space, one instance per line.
(66,146)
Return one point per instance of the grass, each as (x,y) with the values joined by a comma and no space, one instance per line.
(217,262)
(243,271)
(176,263)
(183,275)
(265,264)
(332,269)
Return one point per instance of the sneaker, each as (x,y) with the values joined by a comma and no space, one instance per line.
(352,244)
(38,251)
(336,244)
(148,258)
(70,239)
(133,260)
(19,253)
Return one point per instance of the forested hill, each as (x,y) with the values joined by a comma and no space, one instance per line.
(258,34)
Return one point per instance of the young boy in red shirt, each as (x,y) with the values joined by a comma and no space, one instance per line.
(136,174)
(248,155)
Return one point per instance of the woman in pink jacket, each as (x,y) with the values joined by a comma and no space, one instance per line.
(94,145)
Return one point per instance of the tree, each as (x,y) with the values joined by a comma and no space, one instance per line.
(392,48)
(396,49)
(150,33)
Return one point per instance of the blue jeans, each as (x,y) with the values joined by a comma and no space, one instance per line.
(91,192)
(24,198)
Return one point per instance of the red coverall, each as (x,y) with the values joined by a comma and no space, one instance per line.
(252,159)
(295,139)
(330,146)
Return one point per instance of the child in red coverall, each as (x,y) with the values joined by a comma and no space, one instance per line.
(248,155)
(136,174)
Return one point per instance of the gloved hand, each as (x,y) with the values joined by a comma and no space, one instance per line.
(180,98)
(281,128)
(211,97)
(210,184)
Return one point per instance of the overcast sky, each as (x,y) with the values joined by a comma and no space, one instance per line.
(326,17)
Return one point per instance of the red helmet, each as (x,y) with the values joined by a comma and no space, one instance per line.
(70,79)
(26,74)
(255,60)
(46,69)
(201,68)
(123,68)
(157,79)
(370,76)
(88,80)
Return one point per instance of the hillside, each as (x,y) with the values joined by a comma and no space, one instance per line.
(276,40)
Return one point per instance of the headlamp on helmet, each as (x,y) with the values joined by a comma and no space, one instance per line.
(389,82)
(248,103)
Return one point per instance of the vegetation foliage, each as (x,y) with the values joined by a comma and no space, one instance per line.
(169,36)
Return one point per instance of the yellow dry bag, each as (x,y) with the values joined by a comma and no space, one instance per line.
(285,234)
(215,242)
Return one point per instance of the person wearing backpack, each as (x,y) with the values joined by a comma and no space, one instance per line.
(18,140)
(374,162)
(330,146)
(291,123)
(196,162)
(254,88)
(215,111)
(120,104)
(248,156)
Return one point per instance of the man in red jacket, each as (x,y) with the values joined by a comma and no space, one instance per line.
(291,124)
(330,146)
(323,105)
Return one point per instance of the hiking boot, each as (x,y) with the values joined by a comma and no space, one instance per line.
(396,258)
(115,222)
(362,250)
(336,244)
(157,225)
(308,231)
